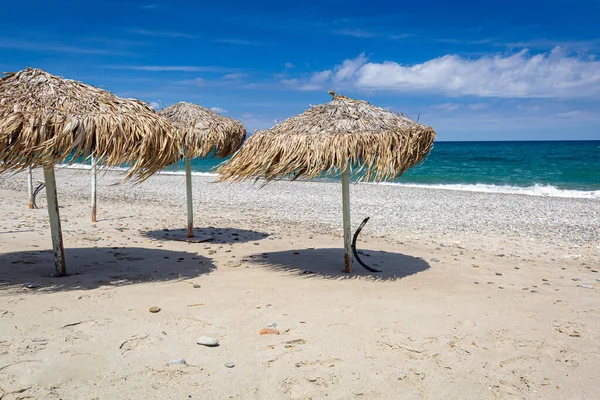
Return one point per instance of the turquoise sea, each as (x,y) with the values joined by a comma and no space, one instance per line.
(544,168)
(554,168)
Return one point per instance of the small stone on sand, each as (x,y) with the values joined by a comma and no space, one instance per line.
(154,309)
(207,341)
(229,364)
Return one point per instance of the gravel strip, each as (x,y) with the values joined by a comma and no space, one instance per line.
(317,206)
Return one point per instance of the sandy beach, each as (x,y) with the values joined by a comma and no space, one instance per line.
(482,295)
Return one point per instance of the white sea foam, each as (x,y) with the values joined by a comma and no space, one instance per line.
(183,173)
(87,166)
(536,190)
(74,166)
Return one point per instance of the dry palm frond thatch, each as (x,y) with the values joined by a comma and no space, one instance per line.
(328,138)
(205,131)
(45,119)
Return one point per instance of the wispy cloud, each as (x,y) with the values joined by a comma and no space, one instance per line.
(467,41)
(537,44)
(172,68)
(511,122)
(219,110)
(234,76)
(528,108)
(315,82)
(254,122)
(478,106)
(359,33)
(54,48)
(145,32)
(150,6)
(550,44)
(289,65)
(446,107)
(240,42)
(555,74)
(402,36)
(363,33)
(154,105)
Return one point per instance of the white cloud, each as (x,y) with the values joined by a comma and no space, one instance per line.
(146,32)
(171,68)
(52,47)
(550,44)
(218,110)
(360,33)
(446,106)
(254,122)
(316,81)
(240,42)
(402,36)
(532,108)
(154,105)
(235,76)
(319,80)
(478,106)
(363,33)
(289,65)
(349,68)
(554,74)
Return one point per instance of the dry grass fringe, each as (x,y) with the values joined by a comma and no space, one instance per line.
(329,138)
(205,131)
(45,119)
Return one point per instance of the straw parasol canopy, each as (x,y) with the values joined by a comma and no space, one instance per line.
(45,120)
(204,132)
(327,139)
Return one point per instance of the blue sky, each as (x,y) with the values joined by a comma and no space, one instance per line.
(473,70)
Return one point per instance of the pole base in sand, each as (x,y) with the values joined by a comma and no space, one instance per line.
(54,218)
(195,239)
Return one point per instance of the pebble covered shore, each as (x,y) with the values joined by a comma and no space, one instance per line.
(317,206)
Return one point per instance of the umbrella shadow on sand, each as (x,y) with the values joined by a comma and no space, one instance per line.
(328,263)
(212,234)
(92,268)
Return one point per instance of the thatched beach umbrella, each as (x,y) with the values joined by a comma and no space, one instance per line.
(204,132)
(331,138)
(45,120)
